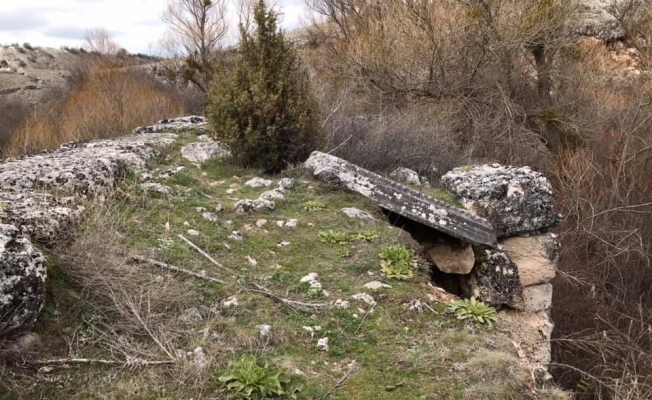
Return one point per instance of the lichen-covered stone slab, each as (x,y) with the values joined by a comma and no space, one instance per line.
(200,152)
(515,199)
(402,200)
(22,280)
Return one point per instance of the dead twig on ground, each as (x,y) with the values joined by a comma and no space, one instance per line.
(355,367)
(203,253)
(310,307)
(173,268)
(371,310)
(129,363)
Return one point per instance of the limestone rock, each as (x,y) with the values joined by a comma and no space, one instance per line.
(402,200)
(534,298)
(494,279)
(201,152)
(247,205)
(535,256)
(452,259)
(515,200)
(192,122)
(286,184)
(595,20)
(356,213)
(405,175)
(258,182)
(170,172)
(275,194)
(158,188)
(22,280)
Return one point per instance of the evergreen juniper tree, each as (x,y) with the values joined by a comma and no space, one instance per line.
(261,105)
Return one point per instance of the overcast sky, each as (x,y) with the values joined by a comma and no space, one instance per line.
(136,24)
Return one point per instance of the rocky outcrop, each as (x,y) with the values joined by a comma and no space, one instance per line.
(515,200)
(22,280)
(41,195)
(200,152)
(193,123)
(515,204)
(402,200)
(595,19)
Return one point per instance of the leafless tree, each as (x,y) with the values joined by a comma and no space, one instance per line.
(101,41)
(196,31)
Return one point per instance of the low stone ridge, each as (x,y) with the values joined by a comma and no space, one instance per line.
(402,200)
(22,280)
(176,125)
(41,195)
(515,200)
(201,152)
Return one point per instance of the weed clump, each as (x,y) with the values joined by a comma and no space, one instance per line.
(398,262)
(475,311)
(253,379)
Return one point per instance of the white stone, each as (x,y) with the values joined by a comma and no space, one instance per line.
(193,232)
(291,223)
(247,205)
(342,304)
(201,152)
(209,216)
(252,261)
(236,236)
(199,358)
(356,213)
(367,298)
(322,344)
(232,301)
(275,194)
(286,184)
(311,279)
(265,330)
(258,182)
(376,285)
(261,222)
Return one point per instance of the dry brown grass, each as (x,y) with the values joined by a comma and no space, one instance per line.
(106,102)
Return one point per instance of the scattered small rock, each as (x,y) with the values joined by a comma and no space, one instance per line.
(280,224)
(415,305)
(236,236)
(231,191)
(265,330)
(261,222)
(199,358)
(157,188)
(209,216)
(291,223)
(230,302)
(252,261)
(219,208)
(356,213)
(193,232)
(191,315)
(322,344)
(342,304)
(246,205)
(169,173)
(376,285)
(284,243)
(406,175)
(200,209)
(258,182)
(275,194)
(311,279)
(286,184)
(367,298)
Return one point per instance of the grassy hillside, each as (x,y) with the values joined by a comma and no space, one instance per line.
(104,306)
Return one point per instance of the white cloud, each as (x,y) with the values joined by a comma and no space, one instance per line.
(136,24)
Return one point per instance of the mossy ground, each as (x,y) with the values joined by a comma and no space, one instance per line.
(401,354)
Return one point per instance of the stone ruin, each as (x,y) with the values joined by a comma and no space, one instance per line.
(42,195)
(495,247)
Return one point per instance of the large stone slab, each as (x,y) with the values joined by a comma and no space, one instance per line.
(515,199)
(535,256)
(402,200)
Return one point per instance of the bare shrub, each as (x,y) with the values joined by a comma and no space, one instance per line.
(105,101)
(14,114)
(99,40)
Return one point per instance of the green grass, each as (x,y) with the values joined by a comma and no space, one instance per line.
(401,354)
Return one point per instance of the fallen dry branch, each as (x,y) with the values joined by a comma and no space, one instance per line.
(371,310)
(203,253)
(173,268)
(129,363)
(310,307)
(355,367)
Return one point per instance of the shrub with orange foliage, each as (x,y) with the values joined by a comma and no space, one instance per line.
(107,102)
